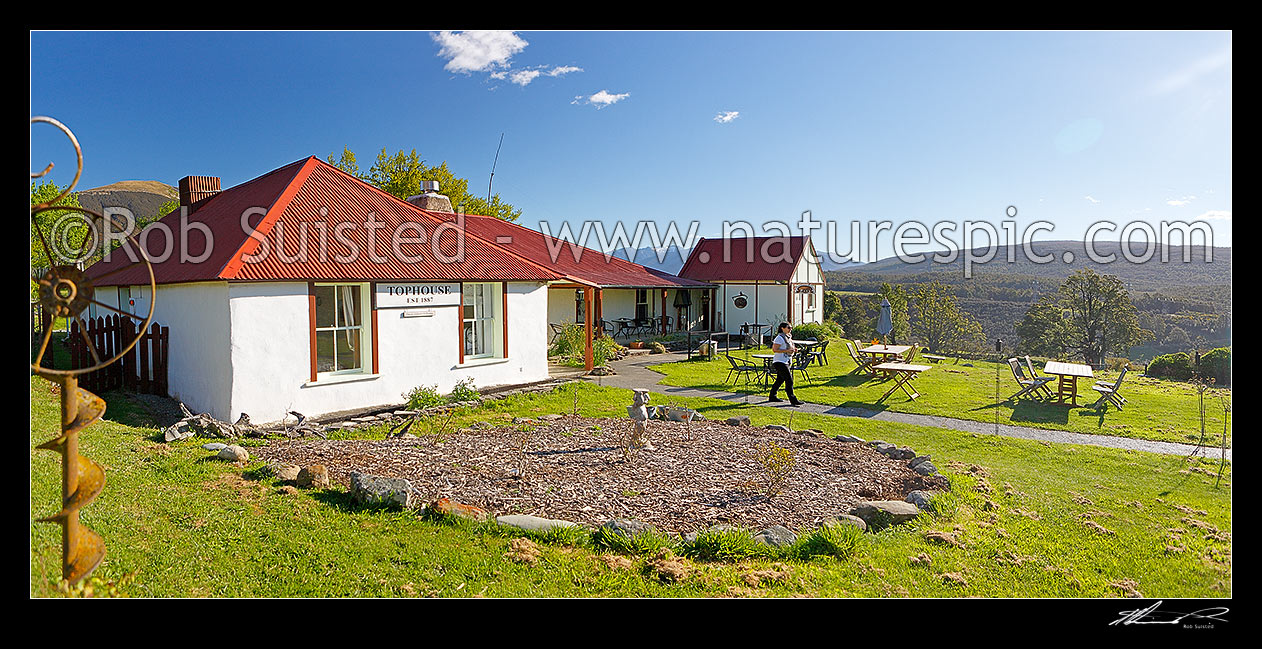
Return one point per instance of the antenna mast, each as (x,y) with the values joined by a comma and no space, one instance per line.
(493,164)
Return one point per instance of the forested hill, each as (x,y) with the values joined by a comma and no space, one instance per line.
(1153,274)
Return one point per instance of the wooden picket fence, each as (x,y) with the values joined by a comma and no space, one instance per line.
(142,369)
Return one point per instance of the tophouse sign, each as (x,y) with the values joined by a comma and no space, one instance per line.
(418,295)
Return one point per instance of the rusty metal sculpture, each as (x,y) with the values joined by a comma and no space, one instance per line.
(64,290)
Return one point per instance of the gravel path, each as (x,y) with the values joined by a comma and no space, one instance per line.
(633,372)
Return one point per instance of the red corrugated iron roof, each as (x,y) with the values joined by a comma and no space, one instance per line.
(745,259)
(578,263)
(333,208)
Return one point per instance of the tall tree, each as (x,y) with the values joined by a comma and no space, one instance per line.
(938,320)
(1096,318)
(64,237)
(400,174)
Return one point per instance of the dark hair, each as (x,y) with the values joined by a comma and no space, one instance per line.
(782,326)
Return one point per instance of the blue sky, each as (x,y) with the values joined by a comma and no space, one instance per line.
(1068,127)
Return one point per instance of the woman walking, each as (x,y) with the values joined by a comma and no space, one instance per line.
(781,361)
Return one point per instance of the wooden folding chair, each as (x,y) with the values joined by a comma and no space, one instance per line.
(1042,389)
(1109,393)
(862,363)
(1028,386)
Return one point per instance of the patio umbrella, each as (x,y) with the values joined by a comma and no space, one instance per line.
(885,322)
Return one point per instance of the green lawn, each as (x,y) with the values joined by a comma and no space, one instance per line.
(1158,410)
(176,523)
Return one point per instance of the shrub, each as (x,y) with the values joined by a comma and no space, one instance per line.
(726,544)
(1216,364)
(464,391)
(775,464)
(833,540)
(657,348)
(820,331)
(570,346)
(1171,366)
(423,396)
(646,542)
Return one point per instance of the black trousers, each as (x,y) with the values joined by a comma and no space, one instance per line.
(783,376)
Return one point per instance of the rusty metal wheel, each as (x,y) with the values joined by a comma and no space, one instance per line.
(63,290)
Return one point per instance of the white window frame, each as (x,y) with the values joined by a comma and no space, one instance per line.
(492,300)
(364,327)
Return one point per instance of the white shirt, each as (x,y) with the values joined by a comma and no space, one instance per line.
(782,357)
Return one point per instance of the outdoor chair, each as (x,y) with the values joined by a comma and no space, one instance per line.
(607,328)
(819,353)
(799,362)
(1028,385)
(556,331)
(668,320)
(744,368)
(1035,375)
(1109,393)
(862,363)
(912,353)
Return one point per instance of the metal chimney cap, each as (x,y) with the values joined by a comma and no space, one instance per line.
(429,186)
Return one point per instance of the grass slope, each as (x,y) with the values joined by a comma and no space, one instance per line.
(177,523)
(1159,410)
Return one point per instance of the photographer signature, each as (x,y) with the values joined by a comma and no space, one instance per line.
(1150,615)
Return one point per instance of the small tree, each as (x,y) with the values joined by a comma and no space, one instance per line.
(1091,316)
(938,320)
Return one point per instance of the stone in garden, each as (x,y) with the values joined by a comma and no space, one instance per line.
(849,438)
(449,507)
(233,453)
(926,468)
(777,428)
(777,536)
(845,519)
(883,513)
(919,498)
(549,417)
(902,453)
(285,472)
(883,448)
(405,413)
(627,528)
(917,460)
(315,476)
(740,420)
(531,523)
(214,446)
(371,491)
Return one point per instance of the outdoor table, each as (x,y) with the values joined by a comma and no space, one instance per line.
(903,374)
(890,352)
(766,363)
(1068,384)
(623,325)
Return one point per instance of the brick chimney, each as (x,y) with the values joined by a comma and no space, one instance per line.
(195,189)
(430,199)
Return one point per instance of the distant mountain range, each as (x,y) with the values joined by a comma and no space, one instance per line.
(673,258)
(141,197)
(1068,257)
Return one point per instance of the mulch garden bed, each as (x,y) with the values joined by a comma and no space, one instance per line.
(700,474)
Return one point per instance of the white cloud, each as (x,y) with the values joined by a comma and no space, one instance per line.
(601,99)
(1092,199)
(524,77)
(478,51)
(1215,215)
(727,116)
(1188,74)
(1180,202)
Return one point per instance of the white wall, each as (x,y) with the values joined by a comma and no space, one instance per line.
(199,372)
(772,304)
(271,353)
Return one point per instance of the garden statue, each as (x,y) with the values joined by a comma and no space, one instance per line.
(638,411)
